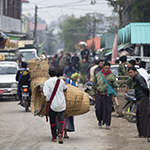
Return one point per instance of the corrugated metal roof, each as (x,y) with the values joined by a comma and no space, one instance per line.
(135,33)
(140,33)
(107,40)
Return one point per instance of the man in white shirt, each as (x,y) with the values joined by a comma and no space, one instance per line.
(58,105)
(143,72)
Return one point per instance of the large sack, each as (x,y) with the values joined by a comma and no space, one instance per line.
(39,81)
(38,102)
(38,68)
(73,96)
(77,101)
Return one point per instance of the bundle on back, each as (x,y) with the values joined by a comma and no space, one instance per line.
(38,69)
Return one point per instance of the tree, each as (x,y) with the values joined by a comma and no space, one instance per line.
(51,43)
(86,27)
(141,11)
(123,8)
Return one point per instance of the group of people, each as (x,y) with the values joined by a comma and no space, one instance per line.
(104,90)
(137,80)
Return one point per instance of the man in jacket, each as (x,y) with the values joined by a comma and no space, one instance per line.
(129,82)
(23,78)
(103,103)
(142,102)
(100,66)
(58,105)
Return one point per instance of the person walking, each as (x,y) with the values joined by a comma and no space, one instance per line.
(104,90)
(83,71)
(58,103)
(85,53)
(142,102)
(75,61)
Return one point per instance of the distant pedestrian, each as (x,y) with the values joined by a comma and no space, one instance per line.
(85,53)
(129,82)
(75,61)
(104,90)
(55,61)
(69,70)
(83,70)
(122,70)
(142,102)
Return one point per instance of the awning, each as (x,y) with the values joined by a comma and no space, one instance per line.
(120,47)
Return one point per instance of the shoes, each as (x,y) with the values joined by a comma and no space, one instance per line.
(19,103)
(108,127)
(100,125)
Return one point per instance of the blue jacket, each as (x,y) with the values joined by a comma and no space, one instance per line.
(70,72)
(68,82)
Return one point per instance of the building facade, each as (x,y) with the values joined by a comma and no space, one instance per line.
(10,15)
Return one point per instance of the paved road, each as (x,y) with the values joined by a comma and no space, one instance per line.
(20,130)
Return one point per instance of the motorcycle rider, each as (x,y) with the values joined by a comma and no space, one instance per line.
(23,78)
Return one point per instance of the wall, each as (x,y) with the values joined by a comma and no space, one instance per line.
(10,24)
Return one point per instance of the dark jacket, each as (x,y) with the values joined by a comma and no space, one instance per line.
(25,78)
(140,86)
(98,69)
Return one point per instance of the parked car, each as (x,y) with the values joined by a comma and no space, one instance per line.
(8,83)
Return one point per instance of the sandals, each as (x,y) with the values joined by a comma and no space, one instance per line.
(66,136)
(54,140)
(60,139)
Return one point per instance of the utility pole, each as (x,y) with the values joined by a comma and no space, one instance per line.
(94,29)
(35,24)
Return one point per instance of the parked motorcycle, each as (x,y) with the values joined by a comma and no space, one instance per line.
(25,94)
(88,88)
(130,107)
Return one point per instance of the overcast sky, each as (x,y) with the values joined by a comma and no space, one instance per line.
(50,10)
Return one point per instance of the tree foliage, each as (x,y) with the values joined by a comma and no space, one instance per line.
(141,11)
(72,29)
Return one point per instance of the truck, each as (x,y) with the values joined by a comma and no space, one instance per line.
(27,50)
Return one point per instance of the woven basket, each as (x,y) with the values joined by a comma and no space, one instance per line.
(38,102)
(39,73)
(35,64)
(73,96)
(77,102)
(85,107)
(38,81)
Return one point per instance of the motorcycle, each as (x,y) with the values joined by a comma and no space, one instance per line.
(88,88)
(25,94)
(130,107)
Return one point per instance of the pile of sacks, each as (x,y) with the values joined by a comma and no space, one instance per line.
(77,101)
